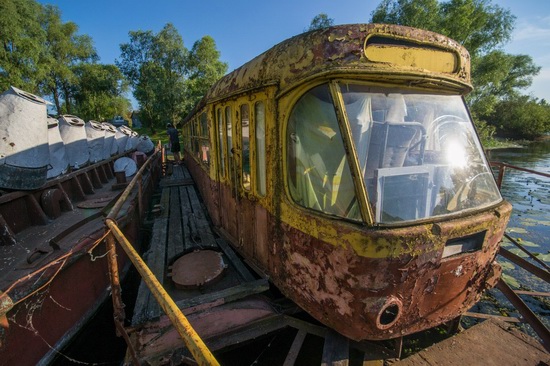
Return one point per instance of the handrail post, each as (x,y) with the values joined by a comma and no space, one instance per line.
(116,295)
(192,340)
(501,171)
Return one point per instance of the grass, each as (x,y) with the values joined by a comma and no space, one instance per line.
(161,135)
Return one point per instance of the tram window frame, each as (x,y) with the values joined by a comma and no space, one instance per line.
(228,147)
(196,134)
(318,173)
(220,120)
(259,150)
(245,124)
(204,141)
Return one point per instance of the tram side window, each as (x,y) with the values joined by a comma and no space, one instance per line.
(221,151)
(318,171)
(259,119)
(196,134)
(205,141)
(229,142)
(245,154)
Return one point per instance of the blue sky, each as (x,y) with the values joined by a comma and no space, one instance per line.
(243,29)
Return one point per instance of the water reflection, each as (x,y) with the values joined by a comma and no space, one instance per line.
(529,224)
(528,193)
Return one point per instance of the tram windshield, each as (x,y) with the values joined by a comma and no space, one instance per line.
(418,155)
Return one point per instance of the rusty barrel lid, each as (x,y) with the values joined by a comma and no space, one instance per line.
(197,269)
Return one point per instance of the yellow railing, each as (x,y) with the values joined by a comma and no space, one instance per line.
(192,340)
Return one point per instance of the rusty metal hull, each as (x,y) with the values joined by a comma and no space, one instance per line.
(381,298)
(362,297)
(365,278)
(53,263)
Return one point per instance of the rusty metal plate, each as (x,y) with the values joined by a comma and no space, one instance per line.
(197,269)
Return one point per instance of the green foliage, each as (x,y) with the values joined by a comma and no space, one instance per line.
(168,79)
(99,94)
(204,69)
(482,28)
(320,21)
(522,117)
(413,13)
(497,76)
(41,54)
(155,66)
(64,49)
(21,45)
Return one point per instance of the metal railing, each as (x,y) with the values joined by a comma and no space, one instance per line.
(540,269)
(192,340)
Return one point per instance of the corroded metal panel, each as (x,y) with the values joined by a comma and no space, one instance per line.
(247,226)
(380,298)
(335,50)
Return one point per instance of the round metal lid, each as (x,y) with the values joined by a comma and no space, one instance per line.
(197,269)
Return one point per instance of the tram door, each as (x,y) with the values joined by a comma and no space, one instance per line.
(228,186)
(242,169)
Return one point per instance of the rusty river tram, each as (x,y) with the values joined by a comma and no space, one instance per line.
(344,166)
(340,169)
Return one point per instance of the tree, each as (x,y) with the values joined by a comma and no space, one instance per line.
(21,45)
(155,66)
(522,117)
(99,92)
(482,28)
(166,78)
(204,69)
(64,49)
(320,21)
(413,13)
(170,54)
(499,76)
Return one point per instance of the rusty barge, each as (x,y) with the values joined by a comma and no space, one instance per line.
(59,179)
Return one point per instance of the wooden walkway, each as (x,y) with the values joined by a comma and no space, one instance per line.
(181,227)
(489,343)
(236,308)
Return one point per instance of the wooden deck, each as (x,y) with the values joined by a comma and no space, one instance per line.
(239,308)
(180,227)
(492,342)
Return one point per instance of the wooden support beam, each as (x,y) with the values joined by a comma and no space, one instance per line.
(335,350)
(295,348)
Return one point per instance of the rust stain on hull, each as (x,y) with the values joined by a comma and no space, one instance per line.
(379,298)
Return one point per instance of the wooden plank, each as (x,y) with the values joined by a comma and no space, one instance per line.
(234,260)
(175,235)
(252,331)
(186,211)
(186,173)
(146,305)
(509,319)
(491,342)
(224,296)
(335,350)
(295,348)
(176,182)
(199,220)
(140,307)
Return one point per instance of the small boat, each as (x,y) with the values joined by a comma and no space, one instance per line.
(53,259)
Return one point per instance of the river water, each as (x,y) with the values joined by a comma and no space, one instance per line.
(529,195)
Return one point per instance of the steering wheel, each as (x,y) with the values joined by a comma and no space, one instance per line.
(467,192)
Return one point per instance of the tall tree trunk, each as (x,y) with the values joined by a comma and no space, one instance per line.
(56,101)
(67,98)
